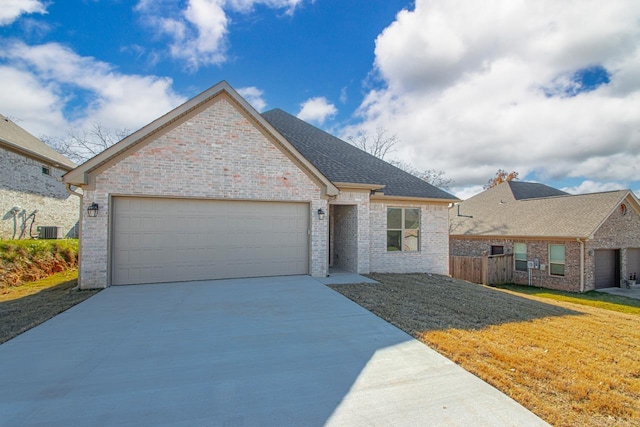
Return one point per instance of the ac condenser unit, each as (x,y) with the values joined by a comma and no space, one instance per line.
(50,232)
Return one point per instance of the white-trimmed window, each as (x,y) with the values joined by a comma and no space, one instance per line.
(556,260)
(403,229)
(520,256)
(46,170)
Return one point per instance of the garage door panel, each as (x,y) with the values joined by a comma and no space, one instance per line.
(160,240)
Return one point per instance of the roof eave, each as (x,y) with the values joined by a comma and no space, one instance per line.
(377,197)
(517,236)
(37,156)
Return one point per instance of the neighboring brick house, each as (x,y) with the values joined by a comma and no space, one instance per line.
(215,190)
(32,193)
(576,242)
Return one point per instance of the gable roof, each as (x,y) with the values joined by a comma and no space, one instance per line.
(80,175)
(496,212)
(341,162)
(17,139)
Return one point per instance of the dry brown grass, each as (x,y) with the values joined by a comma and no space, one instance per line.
(25,306)
(570,364)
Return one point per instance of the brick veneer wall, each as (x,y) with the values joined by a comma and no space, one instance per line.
(217,154)
(617,232)
(535,249)
(433,256)
(22,184)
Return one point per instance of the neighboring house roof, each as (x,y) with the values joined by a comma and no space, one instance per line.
(533,190)
(497,212)
(341,162)
(182,113)
(17,139)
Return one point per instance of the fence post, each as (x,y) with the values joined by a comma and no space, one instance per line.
(485,268)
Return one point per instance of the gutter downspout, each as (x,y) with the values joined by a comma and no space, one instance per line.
(70,191)
(581,264)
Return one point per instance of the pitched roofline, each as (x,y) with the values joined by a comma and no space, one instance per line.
(45,159)
(515,237)
(79,176)
(627,194)
(380,197)
(358,186)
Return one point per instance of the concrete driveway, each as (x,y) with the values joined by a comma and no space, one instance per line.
(268,352)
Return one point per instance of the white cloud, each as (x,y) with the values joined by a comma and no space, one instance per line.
(589,186)
(43,84)
(13,9)
(254,96)
(463,193)
(199,32)
(463,87)
(317,110)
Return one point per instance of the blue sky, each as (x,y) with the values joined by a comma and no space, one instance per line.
(550,89)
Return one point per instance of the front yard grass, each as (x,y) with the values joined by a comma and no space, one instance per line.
(570,364)
(24,306)
(591,298)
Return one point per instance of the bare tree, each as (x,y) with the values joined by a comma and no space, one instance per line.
(83,143)
(500,177)
(378,145)
(435,177)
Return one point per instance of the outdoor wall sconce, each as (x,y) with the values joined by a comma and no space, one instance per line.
(92,210)
(321,214)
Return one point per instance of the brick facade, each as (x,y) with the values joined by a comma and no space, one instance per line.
(23,184)
(618,231)
(433,256)
(217,154)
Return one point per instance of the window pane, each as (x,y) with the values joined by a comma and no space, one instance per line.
(393,240)
(556,269)
(520,250)
(521,265)
(412,218)
(394,218)
(556,253)
(411,240)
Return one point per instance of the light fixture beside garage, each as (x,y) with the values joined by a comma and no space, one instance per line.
(92,210)
(321,214)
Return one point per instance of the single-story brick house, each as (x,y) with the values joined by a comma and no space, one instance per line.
(32,194)
(213,189)
(575,242)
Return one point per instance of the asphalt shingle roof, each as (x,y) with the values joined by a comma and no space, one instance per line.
(16,137)
(342,162)
(496,212)
(533,190)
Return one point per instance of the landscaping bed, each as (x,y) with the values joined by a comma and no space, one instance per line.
(570,364)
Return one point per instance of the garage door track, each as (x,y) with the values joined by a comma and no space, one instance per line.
(268,351)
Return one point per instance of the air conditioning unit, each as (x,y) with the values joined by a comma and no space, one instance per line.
(50,232)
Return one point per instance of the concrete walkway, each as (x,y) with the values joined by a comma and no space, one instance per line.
(633,292)
(251,352)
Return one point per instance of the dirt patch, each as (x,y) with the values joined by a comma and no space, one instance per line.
(25,308)
(569,364)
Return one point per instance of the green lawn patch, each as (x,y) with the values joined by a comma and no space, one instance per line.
(591,298)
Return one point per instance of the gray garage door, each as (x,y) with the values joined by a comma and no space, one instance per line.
(633,262)
(167,240)
(607,269)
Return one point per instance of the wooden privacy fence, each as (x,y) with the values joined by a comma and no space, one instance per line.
(485,269)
